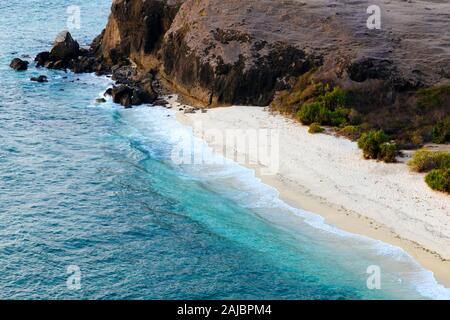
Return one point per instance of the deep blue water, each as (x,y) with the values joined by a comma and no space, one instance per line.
(94,186)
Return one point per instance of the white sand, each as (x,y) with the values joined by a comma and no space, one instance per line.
(327,175)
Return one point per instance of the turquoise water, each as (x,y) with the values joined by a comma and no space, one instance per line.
(94,186)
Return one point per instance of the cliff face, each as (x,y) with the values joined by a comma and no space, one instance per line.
(221,52)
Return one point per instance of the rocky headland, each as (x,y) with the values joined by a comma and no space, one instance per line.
(283,53)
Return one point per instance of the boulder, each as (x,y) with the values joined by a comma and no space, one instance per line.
(42,58)
(65,47)
(18,64)
(108,92)
(122,94)
(160,102)
(39,79)
(365,68)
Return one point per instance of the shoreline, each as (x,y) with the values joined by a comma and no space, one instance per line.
(297,193)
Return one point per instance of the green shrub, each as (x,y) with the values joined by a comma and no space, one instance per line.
(424,160)
(439,179)
(370,143)
(334,99)
(441,132)
(354,117)
(327,107)
(315,128)
(313,112)
(433,97)
(338,117)
(351,132)
(388,151)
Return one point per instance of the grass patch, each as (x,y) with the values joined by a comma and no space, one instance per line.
(315,128)
(424,160)
(351,132)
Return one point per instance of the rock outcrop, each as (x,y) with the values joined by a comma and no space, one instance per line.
(64,47)
(19,64)
(39,79)
(222,52)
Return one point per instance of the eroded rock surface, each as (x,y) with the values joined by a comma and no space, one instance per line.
(221,52)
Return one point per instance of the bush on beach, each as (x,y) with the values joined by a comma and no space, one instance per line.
(326,109)
(424,160)
(315,128)
(375,145)
(439,179)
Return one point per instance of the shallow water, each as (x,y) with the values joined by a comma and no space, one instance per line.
(94,186)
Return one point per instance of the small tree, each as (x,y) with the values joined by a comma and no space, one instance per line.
(388,151)
(439,179)
(370,143)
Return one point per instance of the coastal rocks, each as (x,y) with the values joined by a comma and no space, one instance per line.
(19,64)
(39,79)
(108,92)
(131,95)
(122,95)
(42,58)
(160,102)
(224,52)
(64,47)
(123,74)
(66,53)
(370,68)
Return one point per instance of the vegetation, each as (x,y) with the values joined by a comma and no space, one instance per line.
(315,128)
(374,145)
(439,179)
(437,164)
(424,160)
(351,132)
(388,151)
(433,97)
(327,108)
(441,131)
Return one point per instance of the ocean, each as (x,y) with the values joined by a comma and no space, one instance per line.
(94,207)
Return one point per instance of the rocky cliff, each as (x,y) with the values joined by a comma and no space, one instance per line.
(221,52)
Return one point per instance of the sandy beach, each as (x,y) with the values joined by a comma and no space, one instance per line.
(326,175)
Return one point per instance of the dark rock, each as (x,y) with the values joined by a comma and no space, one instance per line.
(18,64)
(60,64)
(42,58)
(108,92)
(49,64)
(370,68)
(83,64)
(147,87)
(100,100)
(123,74)
(39,79)
(65,47)
(189,110)
(123,95)
(160,102)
